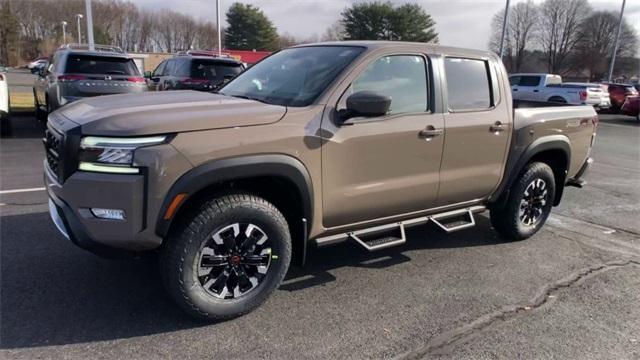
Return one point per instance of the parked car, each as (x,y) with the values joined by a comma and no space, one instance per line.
(315,145)
(76,72)
(631,107)
(36,65)
(549,87)
(194,70)
(5,126)
(618,94)
(593,91)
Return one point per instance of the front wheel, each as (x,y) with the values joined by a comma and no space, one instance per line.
(226,257)
(529,203)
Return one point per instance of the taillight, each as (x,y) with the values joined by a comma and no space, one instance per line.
(583,95)
(71,77)
(136,79)
(595,120)
(190,81)
(1,77)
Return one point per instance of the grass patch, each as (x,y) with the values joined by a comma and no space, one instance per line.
(21,102)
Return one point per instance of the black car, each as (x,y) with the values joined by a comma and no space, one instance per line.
(194,71)
(75,72)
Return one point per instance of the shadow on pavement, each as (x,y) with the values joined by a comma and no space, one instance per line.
(53,293)
(23,125)
(618,119)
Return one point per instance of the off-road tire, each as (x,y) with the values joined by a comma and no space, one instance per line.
(178,258)
(506,220)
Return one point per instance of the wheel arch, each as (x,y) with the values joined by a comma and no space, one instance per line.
(245,172)
(554,150)
(562,97)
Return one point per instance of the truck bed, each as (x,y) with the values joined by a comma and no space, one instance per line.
(574,123)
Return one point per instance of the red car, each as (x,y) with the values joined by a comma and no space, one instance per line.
(631,107)
(618,93)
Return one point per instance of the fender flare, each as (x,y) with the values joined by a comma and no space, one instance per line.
(517,162)
(236,168)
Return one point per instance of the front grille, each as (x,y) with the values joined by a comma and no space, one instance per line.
(53,148)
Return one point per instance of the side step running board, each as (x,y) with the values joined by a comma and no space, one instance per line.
(454,220)
(380,237)
(385,236)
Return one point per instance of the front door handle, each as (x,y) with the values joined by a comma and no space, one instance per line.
(497,127)
(430,131)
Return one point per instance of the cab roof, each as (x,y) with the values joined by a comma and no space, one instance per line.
(377,44)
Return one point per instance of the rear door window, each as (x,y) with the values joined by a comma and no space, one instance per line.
(214,70)
(529,81)
(87,64)
(468,84)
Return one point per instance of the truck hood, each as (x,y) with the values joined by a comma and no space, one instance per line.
(167,112)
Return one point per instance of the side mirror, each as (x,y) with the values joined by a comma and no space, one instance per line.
(147,74)
(367,104)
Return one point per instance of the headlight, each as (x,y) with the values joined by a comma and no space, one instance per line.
(113,155)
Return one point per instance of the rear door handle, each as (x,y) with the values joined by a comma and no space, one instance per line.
(515,89)
(536,90)
(497,127)
(430,131)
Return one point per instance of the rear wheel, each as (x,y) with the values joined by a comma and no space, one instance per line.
(557,99)
(5,124)
(529,203)
(226,257)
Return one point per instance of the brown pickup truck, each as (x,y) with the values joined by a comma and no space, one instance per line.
(316,144)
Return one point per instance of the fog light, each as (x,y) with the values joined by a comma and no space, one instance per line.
(111,214)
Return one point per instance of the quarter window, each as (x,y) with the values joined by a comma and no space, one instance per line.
(468,85)
(402,77)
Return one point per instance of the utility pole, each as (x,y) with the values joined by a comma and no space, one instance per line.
(78,17)
(505,23)
(615,47)
(219,26)
(64,32)
(87,4)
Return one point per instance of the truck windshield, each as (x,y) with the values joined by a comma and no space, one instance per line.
(292,77)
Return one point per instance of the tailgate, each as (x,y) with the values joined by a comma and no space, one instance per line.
(82,85)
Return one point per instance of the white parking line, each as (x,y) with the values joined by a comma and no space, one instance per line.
(21,190)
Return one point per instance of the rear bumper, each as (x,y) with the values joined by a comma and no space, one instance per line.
(578,179)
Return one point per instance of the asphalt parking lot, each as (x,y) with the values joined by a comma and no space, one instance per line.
(571,291)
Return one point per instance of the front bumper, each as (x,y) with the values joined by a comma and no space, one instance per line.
(70,209)
(578,179)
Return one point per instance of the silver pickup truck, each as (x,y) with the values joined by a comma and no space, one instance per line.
(316,144)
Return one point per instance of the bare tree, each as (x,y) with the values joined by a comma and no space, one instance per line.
(593,52)
(521,30)
(559,31)
(335,32)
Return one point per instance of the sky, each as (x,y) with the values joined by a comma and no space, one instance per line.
(463,23)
